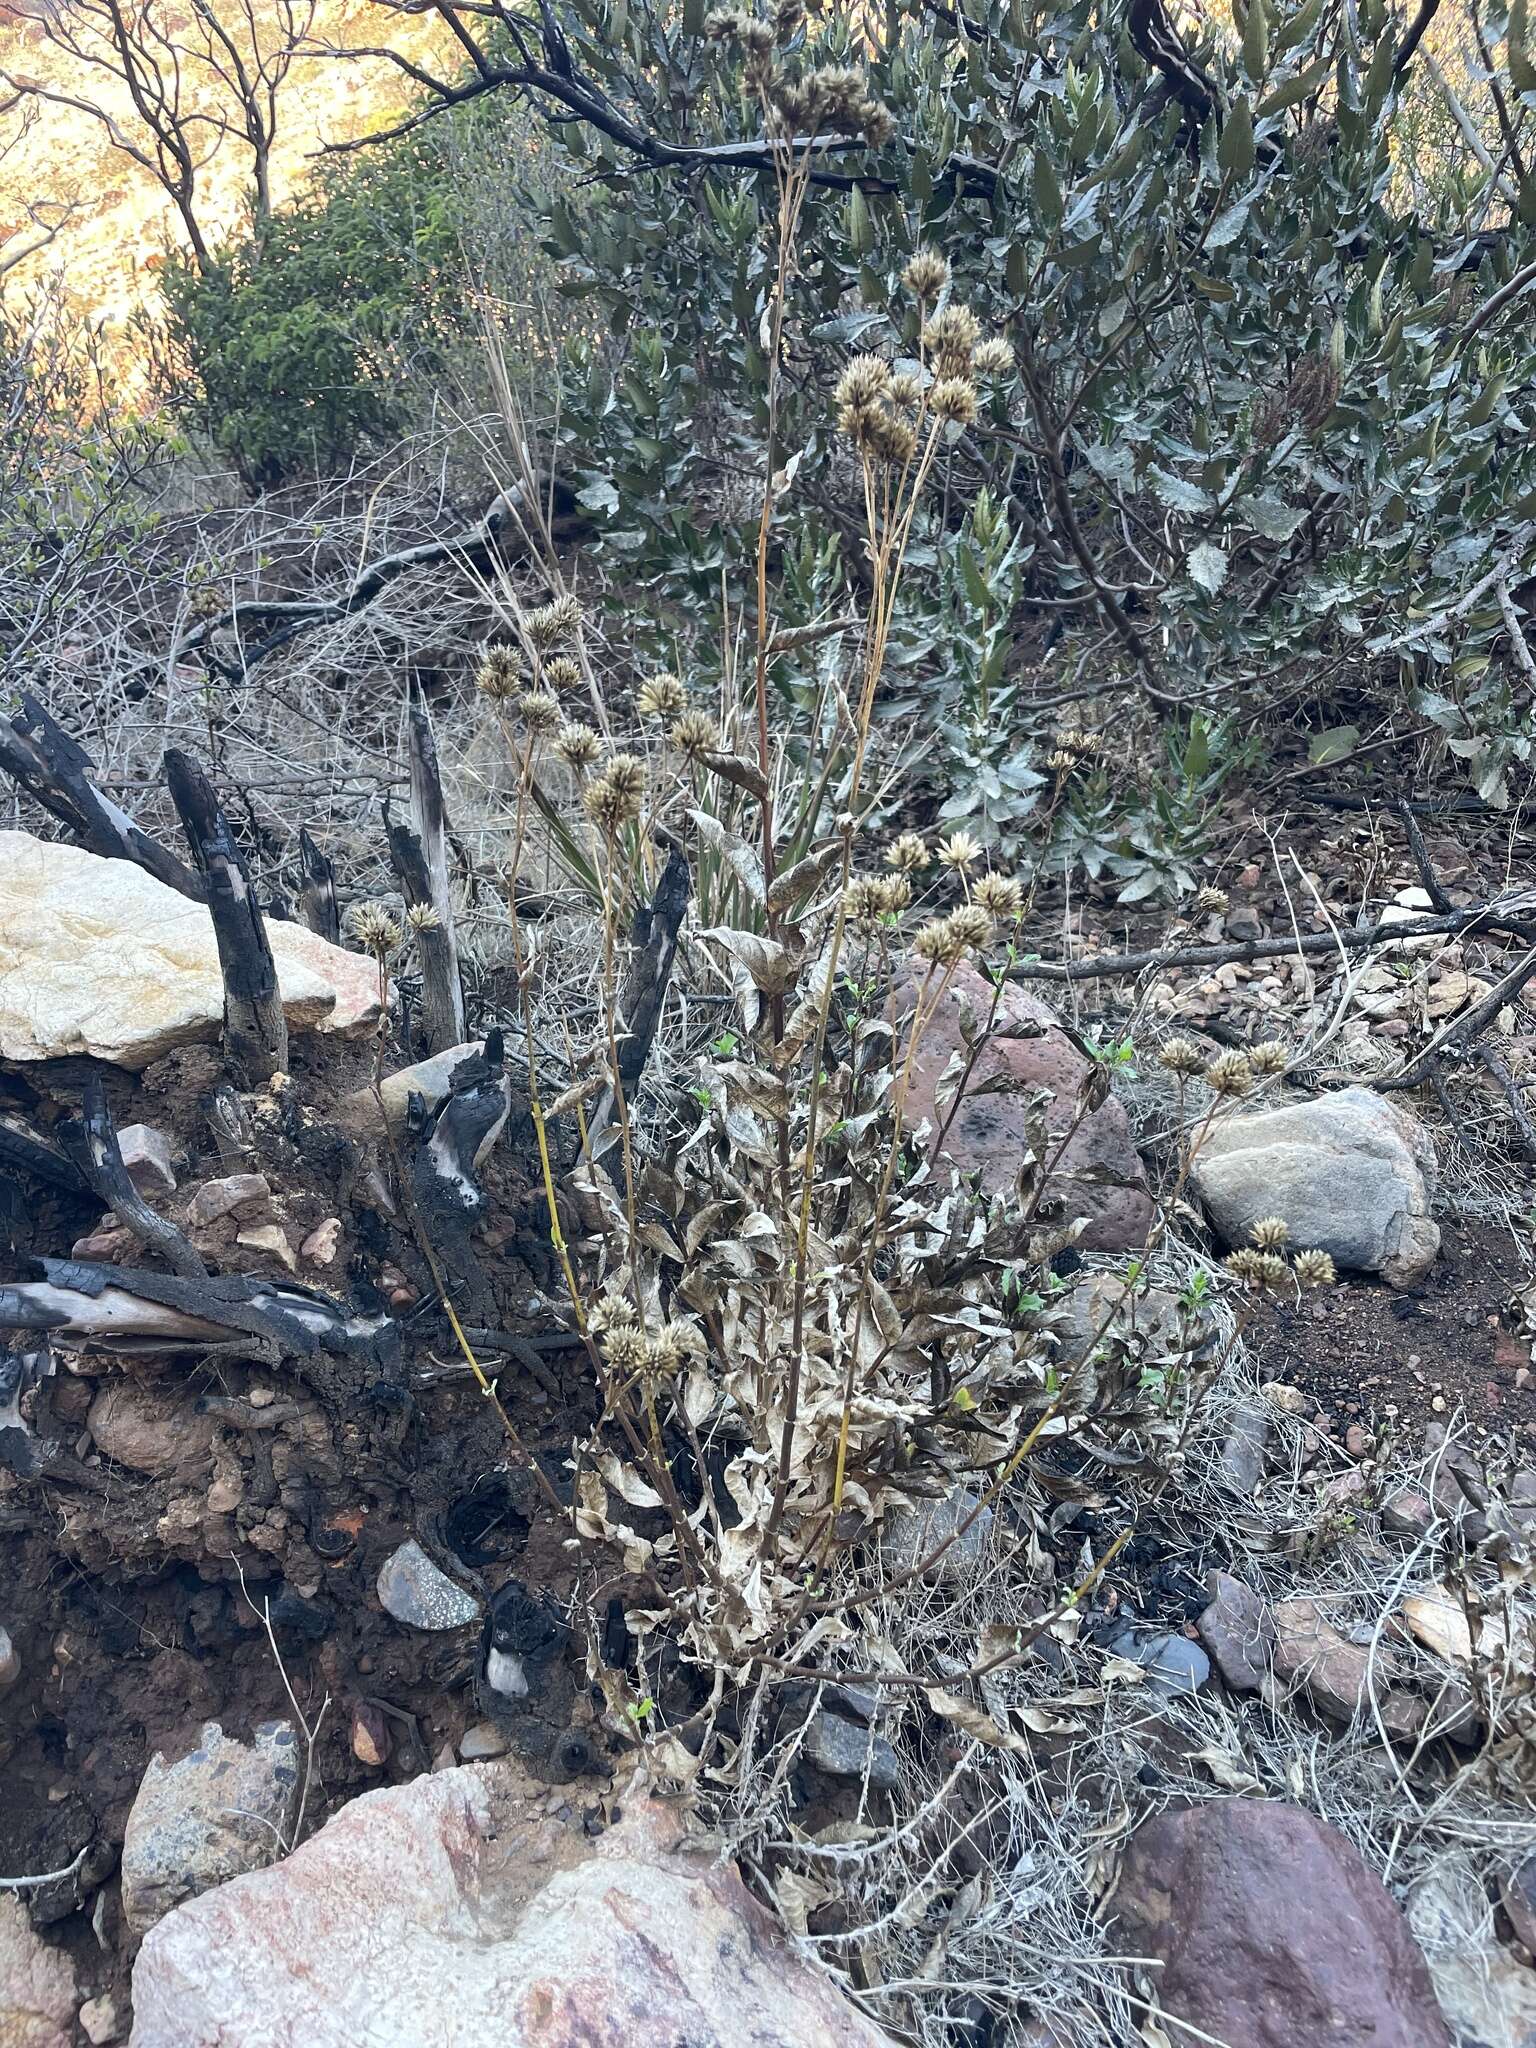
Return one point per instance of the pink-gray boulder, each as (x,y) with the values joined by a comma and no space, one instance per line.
(1272,1932)
(468,1909)
(1098,1173)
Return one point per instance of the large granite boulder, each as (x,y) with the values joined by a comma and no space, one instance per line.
(1272,1932)
(98,957)
(1098,1175)
(1352,1174)
(452,1911)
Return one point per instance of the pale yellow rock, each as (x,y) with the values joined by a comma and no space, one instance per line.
(1439,1621)
(98,958)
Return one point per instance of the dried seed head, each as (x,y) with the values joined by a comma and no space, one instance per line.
(661,696)
(1002,896)
(614,797)
(1086,745)
(865,381)
(1060,762)
(625,1348)
(861,901)
(578,746)
(907,853)
(1182,1057)
(500,672)
(612,1312)
(953,398)
(892,439)
(970,928)
(374,928)
(552,623)
(951,336)
(1214,902)
(1270,1233)
(1262,1271)
(539,711)
(926,274)
(1244,1264)
(695,734)
(895,894)
(1229,1074)
(561,673)
(961,850)
(994,358)
(932,944)
(421,917)
(1315,1268)
(664,1355)
(906,394)
(1269,1059)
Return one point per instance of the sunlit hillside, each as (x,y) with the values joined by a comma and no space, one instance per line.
(58,164)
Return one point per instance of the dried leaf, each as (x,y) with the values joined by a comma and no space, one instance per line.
(1227,1770)
(972,1721)
(743,860)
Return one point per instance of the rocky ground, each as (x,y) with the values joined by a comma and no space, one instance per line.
(253,1601)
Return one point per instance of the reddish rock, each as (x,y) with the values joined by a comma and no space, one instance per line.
(1099,1174)
(1272,1932)
(1339,1677)
(1238,1631)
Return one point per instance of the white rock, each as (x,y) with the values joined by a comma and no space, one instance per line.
(1351,1173)
(98,957)
(912,1532)
(448,1910)
(226,1808)
(10,1660)
(100,2021)
(1487,1996)
(216,1198)
(421,1595)
(37,1984)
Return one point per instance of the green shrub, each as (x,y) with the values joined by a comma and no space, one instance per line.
(310,337)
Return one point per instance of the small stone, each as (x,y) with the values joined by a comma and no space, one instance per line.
(1517,1895)
(482,1742)
(1241,1465)
(216,1198)
(10,1661)
(445,1760)
(403,1297)
(319,1248)
(1407,1514)
(1244,923)
(224,1496)
(844,1750)
(100,2021)
(226,1808)
(272,1239)
(419,1595)
(147,1156)
(155,1429)
(1339,1677)
(261,1397)
(1287,1399)
(912,1532)
(1356,1442)
(1173,1663)
(1239,1631)
(370,1736)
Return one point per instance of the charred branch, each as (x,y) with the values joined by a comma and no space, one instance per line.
(91,1140)
(255,1030)
(22,1367)
(50,766)
(27,1152)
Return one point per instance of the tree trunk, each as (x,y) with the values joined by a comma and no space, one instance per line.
(317,891)
(255,1030)
(429,820)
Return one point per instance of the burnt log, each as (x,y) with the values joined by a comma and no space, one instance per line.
(429,820)
(255,1029)
(55,769)
(26,1151)
(442,1000)
(22,1367)
(317,891)
(227,1315)
(450,1144)
(91,1142)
